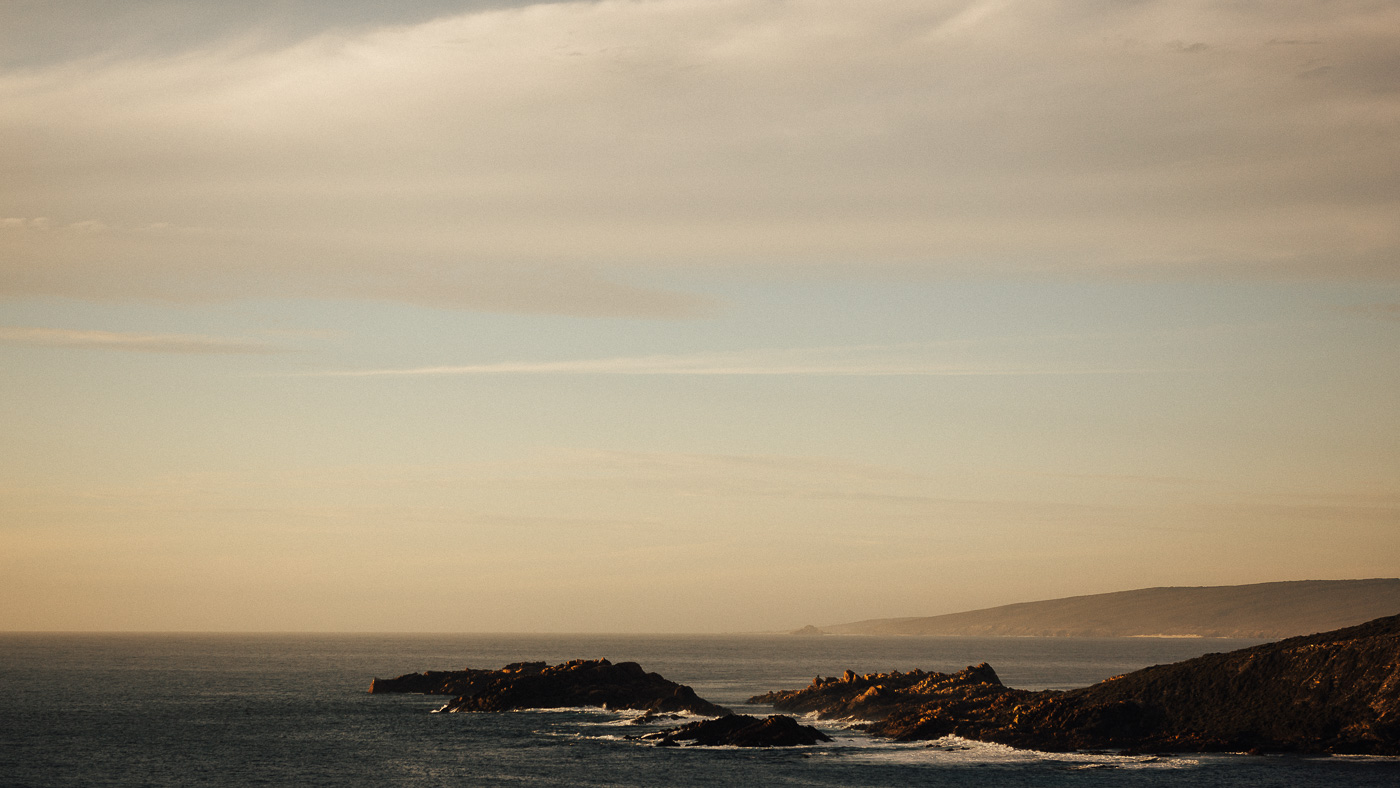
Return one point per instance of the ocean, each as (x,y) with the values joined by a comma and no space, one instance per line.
(292,710)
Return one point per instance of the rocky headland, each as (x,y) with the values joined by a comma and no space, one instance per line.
(1266,611)
(739,730)
(1334,692)
(537,685)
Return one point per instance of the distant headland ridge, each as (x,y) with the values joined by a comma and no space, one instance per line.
(1259,610)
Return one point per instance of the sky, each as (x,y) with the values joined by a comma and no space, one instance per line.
(688,315)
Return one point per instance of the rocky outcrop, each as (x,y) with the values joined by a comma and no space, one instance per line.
(740,730)
(1336,692)
(874,696)
(535,685)
(454,682)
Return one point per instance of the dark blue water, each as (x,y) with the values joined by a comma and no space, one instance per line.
(239,710)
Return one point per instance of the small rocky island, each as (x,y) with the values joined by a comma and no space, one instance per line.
(1334,692)
(536,685)
(739,730)
(600,683)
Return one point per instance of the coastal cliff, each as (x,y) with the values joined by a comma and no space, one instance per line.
(536,685)
(1333,692)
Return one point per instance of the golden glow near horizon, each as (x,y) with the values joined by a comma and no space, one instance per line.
(688,315)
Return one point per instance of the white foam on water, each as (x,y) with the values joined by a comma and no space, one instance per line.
(957,751)
(948,751)
(816,721)
(851,743)
(667,719)
(805,748)
(592,710)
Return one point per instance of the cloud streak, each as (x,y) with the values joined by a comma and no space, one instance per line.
(130,342)
(863,361)
(555,158)
(1384,311)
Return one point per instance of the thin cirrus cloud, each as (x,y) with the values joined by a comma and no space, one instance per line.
(103,261)
(867,361)
(1384,311)
(549,158)
(130,342)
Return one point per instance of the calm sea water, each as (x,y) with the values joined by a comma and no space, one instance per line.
(241,710)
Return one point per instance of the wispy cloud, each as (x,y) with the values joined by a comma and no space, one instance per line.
(552,159)
(868,361)
(1385,311)
(129,341)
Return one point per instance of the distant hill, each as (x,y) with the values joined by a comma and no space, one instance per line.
(1261,610)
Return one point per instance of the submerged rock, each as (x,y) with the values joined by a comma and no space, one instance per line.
(1336,692)
(536,685)
(740,730)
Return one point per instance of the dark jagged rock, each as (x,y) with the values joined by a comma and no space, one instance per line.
(873,696)
(452,682)
(1336,692)
(740,730)
(652,716)
(535,685)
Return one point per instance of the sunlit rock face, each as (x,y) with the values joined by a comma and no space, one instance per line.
(1336,692)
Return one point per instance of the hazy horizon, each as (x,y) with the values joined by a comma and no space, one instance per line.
(688,316)
(1272,615)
